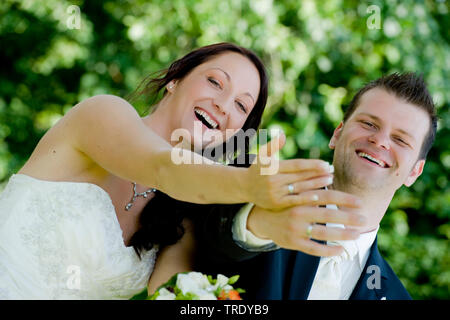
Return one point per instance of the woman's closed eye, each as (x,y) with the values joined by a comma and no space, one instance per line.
(241,106)
(214,82)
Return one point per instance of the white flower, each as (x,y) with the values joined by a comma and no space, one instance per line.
(197,285)
(205,295)
(186,284)
(222,281)
(165,294)
(200,278)
(192,282)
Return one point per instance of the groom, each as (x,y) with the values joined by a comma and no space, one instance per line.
(380,145)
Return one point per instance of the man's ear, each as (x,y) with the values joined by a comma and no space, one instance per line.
(336,135)
(415,173)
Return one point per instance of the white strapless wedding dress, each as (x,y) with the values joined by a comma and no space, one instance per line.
(62,240)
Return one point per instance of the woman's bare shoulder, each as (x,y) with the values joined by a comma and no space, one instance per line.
(104,132)
(55,156)
(102,105)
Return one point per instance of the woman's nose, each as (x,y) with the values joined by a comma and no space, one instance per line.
(221,104)
(219,108)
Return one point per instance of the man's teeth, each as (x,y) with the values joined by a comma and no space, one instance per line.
(367,156)
(205,116)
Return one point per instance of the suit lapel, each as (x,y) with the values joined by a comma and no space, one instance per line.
(289,275)
(367,287)
(303,272)
(286,275)
(271,275)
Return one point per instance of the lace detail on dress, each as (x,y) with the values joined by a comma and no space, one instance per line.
(68,241)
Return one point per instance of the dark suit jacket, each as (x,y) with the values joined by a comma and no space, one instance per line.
(281,274)
(288,275)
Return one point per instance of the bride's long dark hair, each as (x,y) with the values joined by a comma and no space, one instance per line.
(161,219)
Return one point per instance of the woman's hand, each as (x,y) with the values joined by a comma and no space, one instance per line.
(277,184)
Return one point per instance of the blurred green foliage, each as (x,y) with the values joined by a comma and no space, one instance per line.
(318,54)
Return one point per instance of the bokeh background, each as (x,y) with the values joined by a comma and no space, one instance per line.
(318,54)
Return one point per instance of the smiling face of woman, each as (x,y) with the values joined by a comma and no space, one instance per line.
(216,96)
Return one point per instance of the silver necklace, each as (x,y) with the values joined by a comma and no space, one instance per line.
(136,194)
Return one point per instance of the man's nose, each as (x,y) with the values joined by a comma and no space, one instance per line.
(380,139)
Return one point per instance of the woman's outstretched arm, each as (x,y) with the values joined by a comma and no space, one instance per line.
(108,130)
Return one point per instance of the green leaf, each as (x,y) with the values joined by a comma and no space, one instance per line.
(211,280)
(153,296)
(187,296)
(218,291)
(233,279)
(143,295)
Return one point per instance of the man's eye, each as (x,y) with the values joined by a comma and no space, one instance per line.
(214,82)
(401,141)
(368,124)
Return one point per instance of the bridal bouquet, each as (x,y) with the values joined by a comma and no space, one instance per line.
(197,286)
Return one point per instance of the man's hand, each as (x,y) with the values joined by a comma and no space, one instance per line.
(291,228)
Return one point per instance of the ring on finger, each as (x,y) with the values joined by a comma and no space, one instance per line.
(291,188)
(309,230)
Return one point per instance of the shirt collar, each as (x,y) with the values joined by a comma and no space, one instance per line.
(363,243)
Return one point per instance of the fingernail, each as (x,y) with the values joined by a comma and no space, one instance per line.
(331,168)
(275,133)
(325,165)
(330,180)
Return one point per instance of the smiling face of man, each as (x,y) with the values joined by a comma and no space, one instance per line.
(378,147)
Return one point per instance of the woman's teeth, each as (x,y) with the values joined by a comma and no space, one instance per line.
(207,118)
(370,158)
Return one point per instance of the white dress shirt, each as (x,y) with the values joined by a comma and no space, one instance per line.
(351,269)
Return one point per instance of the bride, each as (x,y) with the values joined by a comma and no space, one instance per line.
(67,216)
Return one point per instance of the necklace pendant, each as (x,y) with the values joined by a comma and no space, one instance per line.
(136,194)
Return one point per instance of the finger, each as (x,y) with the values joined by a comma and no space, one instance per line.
(296,165)
(325,215)
(314,248)
(307,185)
(273,146)
(324,197)
(304,175)
(325,233)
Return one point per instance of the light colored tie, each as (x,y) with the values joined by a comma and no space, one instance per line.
(328,280)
